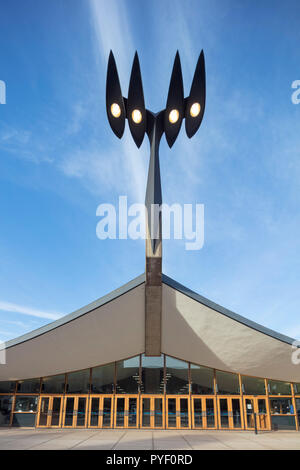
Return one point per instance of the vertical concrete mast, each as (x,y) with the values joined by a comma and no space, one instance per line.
(168,121)
(153,287)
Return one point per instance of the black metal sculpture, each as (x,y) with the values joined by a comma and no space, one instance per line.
(142,121)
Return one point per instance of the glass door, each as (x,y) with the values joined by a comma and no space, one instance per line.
(126,411)
(178,412)
(75,412)
(230,416)
(43,412)
(50,412)
(257,405)
(152,412)
(56,408)
(223,413)
(203,412)
(263,422)
(100,411)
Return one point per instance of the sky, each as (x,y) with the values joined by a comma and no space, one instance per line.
(59,158)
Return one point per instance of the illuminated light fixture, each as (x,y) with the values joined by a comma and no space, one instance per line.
(173,116)
(195,109)
(136,116)
(115,110)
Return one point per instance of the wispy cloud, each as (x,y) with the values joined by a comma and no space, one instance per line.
(20,309)
(113,32)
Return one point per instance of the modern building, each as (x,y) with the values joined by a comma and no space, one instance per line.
(153,353)
(89,369)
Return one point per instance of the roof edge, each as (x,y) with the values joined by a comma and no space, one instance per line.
(224,311)
(137,281)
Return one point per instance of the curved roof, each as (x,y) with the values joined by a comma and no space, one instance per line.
(77,313)
(113,328)
(218,308)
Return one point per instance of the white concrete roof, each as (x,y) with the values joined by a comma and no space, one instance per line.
(113,328)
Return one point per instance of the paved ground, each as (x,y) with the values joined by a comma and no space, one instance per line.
(93,439)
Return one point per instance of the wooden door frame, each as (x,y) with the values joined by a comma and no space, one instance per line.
(50,410)
(203,399)
(255,399)
(75,410)
(177,404)
(152,399)
(229,399)
(43,397)
(126,410)
(100,410)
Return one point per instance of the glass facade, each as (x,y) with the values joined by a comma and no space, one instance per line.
(279,388)
(128,375)
(24,420)
(26,404)
(29,386)
(7,387)
(177,376)
(282,406)
(53,384)
(227,383)
(283,423)
(152,377)
(78,382)
(202,380)
(298,410)
(297,389)
(103,379)
(64,400)
(5,410)
(253,386)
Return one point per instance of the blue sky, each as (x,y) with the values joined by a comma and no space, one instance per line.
(59,158)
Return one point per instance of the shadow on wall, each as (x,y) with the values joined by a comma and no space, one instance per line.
(194,332)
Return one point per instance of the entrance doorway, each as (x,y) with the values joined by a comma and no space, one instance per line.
(75,412)
(126,411)
(152,412)
(230,416)
(49,414)
(203,412)
(100,412)
(178,412)
(256,406)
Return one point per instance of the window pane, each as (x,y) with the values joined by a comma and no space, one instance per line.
(227,383)
(128,375)
(7,387)
(283,422)
(279,388)
(78,382)
(152,374)
(28,386)
(53,384)
(297,389)
(253,386)
(298,409)
(24,420)
(282,406)
(177,380)
(202,380)
(5,409)
(103,378)
(26,404)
